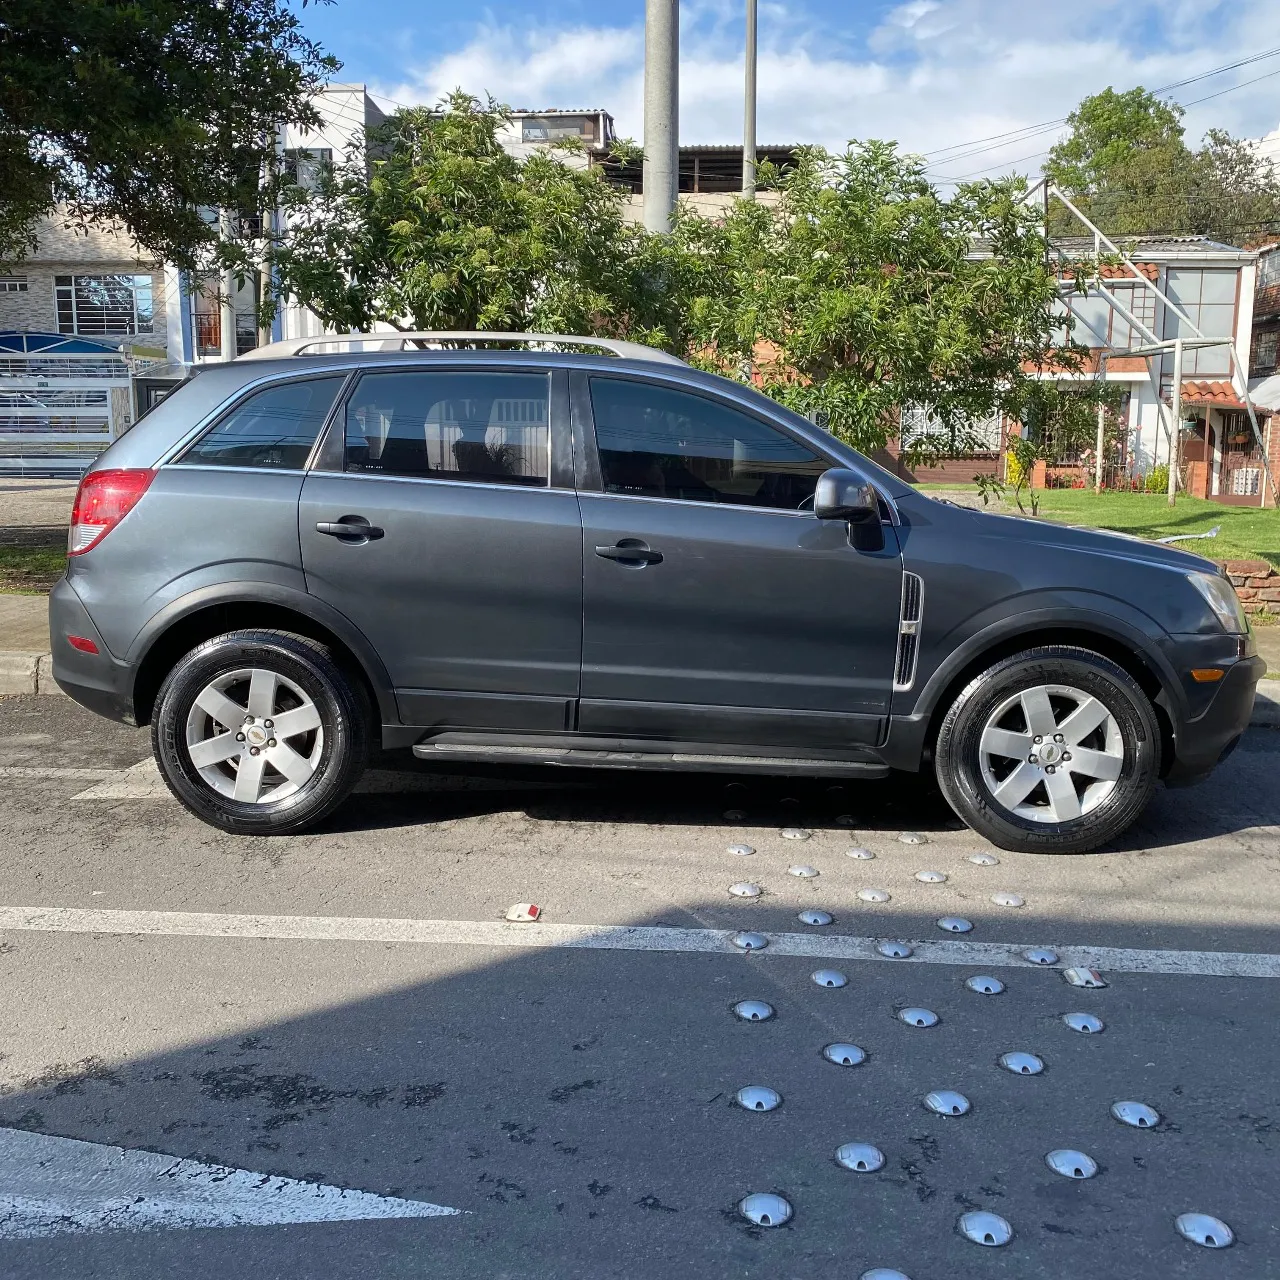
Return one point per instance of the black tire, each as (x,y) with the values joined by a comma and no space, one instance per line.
(958,758)
(339,757)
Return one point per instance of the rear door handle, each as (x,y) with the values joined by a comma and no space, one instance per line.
(350,529)
(631,552)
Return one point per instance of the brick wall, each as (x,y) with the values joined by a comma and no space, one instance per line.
(1256,583)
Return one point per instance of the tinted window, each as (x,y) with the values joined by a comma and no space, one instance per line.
(659,443)
(450,426)
(272,428)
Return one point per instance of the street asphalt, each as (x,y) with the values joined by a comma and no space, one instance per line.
(576,1103)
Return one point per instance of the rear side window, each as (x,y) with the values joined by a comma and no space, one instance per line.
(274,428)
(489,427)
(656,442)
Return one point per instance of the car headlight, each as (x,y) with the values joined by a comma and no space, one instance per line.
(1222,599)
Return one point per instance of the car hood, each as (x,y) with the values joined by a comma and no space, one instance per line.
(1124,546)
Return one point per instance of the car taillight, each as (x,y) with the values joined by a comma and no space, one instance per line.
(103,499)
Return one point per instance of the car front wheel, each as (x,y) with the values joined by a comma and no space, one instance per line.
(1054,750)
(260,732)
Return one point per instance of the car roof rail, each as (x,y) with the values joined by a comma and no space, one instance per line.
(330,344)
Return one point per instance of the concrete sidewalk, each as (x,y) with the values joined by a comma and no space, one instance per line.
(25,662)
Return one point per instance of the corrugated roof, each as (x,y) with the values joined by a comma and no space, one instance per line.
(1148,244)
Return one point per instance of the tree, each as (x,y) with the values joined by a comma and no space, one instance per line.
(146,113)
(438,227)
(1127,166)
(864,290)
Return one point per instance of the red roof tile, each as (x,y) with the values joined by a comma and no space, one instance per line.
(1217,395)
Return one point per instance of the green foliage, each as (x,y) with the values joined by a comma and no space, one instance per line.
(446,230)
(865,290)
(1128,167)
(141,112)
(1158,479)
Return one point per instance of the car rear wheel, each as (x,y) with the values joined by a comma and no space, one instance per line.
(1054,750)
(260,732)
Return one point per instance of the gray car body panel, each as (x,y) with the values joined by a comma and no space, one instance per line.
(761,628)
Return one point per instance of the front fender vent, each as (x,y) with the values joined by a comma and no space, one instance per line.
(909,620)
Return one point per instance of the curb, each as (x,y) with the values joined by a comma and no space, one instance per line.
(23,672)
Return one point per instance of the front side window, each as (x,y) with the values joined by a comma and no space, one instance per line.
(487,427)
(274,428)
(656,442)
(103,305)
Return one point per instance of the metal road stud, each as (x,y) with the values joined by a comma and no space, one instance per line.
(758,1097)
(829,978)
(860,1157)
(765,1209)
(815,916)
(753,1010)
(1085,1023)
(1071,1164)
(984,1228)
(984,984)
(892,949)
(845,1055)
(1201,1228)
(874,895)
(750,941)
(745,889)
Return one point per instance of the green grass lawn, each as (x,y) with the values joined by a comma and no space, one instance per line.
(31,570)
(1246,533)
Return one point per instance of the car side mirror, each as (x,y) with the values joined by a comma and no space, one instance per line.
(845,495)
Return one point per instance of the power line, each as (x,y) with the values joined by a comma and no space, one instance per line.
(964,150)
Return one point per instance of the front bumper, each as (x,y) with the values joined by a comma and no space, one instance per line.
(95,680)
(1200,743)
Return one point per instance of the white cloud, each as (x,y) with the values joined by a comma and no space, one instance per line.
(933,74)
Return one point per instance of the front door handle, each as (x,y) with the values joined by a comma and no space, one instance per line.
(631,552)
(355,529)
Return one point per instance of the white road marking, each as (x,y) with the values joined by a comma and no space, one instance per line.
(53,1186)
(78,775)
(140,782)
(497,933)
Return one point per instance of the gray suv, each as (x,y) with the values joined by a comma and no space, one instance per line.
(589,553)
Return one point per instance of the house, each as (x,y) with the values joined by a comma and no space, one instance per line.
(1213,286)
(193,309)
(82,310)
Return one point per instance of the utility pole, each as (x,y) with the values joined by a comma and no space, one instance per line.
(227,296)
(1175,412)
(661,112)
(749,111)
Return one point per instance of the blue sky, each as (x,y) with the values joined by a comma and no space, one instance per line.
(940,76)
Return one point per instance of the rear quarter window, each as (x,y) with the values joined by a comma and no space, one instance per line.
(274,428)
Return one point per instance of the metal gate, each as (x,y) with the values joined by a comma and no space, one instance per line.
(63,400)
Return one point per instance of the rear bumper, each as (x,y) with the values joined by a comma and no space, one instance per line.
(1200,743)
(95,680)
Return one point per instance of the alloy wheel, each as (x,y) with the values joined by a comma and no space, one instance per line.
(254,735)
(1051,753)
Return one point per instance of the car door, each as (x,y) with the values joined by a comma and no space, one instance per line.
(433,525)
(716,607)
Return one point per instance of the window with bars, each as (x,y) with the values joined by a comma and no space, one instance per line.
(1263,357)
(13,284)
(100,306)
